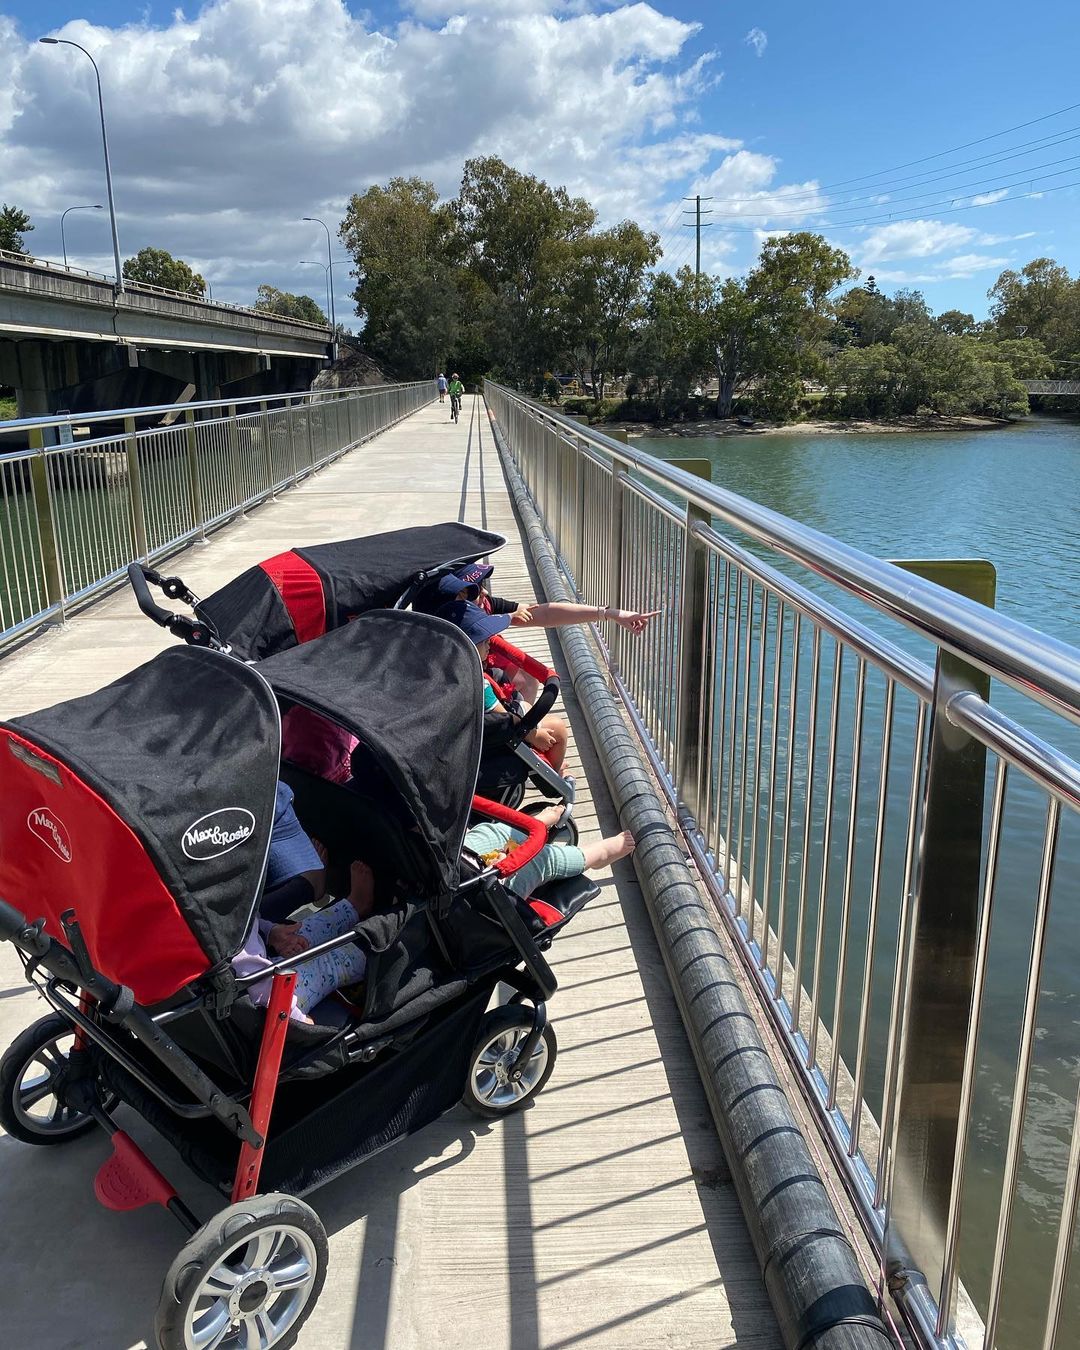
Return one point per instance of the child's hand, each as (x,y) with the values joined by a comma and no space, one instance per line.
(541,739)
(285,939)
(521,616)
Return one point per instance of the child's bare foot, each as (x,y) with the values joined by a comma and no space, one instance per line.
(609,850)
(362,890)
(550,816)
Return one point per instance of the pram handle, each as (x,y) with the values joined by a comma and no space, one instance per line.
(536,835)
(499,647)
(192,631)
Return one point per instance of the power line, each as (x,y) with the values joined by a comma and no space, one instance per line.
(876,220)
(915,180)
(959,189)
(981,140)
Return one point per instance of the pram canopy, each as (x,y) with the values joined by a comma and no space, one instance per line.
(147,807)
(305,592)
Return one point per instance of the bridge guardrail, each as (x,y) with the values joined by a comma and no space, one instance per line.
(849,806)
(42,267)
(72,516)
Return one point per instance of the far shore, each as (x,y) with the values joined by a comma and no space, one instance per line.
(717,427)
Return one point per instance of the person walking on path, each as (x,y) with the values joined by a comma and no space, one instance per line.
(441,382)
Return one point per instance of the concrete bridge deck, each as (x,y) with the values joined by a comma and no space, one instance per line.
(601,1217)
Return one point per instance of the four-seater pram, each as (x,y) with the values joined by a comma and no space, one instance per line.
(135,826)
(304,592)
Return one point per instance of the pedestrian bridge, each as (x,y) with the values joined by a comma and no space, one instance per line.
(1070,388)
(605,1218)
(785,1047)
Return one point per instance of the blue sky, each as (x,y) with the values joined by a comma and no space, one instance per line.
(229,121)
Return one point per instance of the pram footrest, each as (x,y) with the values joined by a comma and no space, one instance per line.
(128,1179)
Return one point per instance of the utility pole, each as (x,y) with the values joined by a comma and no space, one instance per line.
(697,224)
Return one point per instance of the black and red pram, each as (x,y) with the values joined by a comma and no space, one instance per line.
(304,592)
(134,830)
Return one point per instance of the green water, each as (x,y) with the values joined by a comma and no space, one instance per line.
(1011,495)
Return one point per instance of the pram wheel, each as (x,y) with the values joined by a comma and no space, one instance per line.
(30,1072)
(490,1090)
(247,1280)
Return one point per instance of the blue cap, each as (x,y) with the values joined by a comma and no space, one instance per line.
(475,623)
(474,573)
(450,585)
(291,851)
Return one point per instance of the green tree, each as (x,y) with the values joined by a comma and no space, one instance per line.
(518,237)
(289,306)
(157,267)
(791,292)
(406,262)
(1041,301)
(957,322)
(603,292)
(13,225)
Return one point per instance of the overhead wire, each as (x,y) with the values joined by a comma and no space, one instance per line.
(916,180)
(1027,175)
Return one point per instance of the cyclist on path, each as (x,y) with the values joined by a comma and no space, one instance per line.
(456,391)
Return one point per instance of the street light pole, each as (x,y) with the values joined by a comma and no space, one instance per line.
(66,42)
(329,269)
(308,262)
(63,241)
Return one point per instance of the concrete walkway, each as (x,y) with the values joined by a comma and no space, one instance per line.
(602,1216)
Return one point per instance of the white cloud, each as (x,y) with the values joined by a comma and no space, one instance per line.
(968,264)
(228,126)
(912,239)
(988,198)
(758,39)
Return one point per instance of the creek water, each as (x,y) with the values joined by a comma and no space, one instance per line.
(1011,495)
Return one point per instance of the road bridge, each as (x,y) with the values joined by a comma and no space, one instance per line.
(604,1216)
(74,340)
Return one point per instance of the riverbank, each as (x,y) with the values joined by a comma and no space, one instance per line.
(716,427)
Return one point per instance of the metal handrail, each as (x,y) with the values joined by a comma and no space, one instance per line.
(833,791)
(74,515)
(1033,662)
(52,420)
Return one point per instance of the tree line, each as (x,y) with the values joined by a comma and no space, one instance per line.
(513,278)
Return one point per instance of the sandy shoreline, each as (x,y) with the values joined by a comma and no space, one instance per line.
(713,427)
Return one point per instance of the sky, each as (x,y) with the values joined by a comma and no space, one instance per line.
(934,142)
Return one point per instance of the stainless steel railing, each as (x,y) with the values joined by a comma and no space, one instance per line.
(139,482)
(866,819)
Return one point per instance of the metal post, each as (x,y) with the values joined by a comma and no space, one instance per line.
(66,42)
(945,925)
(63,237)
(135,492)
(620,471)
(235,476)
(693,647)
(268,451)
(46,523)
(198,515)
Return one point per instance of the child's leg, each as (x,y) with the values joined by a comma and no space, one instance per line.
(554,862)
(604,852)
(558,728)
(319,977)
